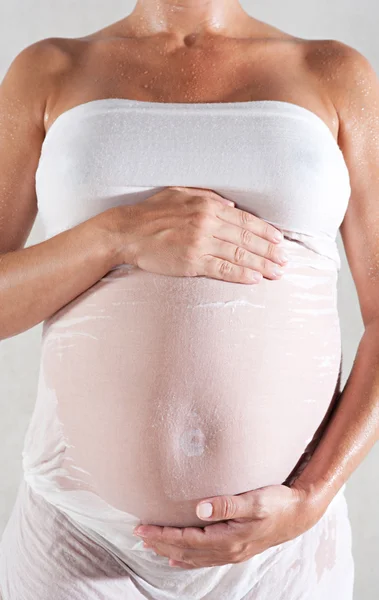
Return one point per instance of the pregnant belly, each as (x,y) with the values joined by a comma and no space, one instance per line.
(168,390)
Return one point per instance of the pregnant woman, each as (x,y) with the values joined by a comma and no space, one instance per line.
(162,154)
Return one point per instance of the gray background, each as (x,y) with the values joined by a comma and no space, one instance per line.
(354,22)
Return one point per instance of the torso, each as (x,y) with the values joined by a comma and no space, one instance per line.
(173,389)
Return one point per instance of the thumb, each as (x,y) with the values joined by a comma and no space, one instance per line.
(254,504)
(223,507)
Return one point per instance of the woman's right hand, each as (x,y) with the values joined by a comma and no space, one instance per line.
(189,232)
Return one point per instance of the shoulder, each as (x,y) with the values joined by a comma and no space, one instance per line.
(36,72)
(346,75)
(331,52)
(38,60)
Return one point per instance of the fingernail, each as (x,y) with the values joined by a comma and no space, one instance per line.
(277,271)
(204,510)
(282,257)
(277,236)
(255,276)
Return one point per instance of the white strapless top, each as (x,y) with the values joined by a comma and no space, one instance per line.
(275,159)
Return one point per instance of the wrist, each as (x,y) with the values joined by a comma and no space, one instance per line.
(118,249)
(314,497)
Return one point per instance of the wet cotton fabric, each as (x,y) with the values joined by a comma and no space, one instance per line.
(155,392)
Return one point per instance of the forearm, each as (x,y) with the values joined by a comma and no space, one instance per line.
(38,280)
(353,428)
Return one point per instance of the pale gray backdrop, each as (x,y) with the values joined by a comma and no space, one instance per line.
(354,22)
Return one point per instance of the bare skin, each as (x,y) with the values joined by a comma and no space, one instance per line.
(204,51)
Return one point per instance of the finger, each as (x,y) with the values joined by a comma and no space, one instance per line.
(212,536)
(204,192)
(247,220)
(217,538)
(251,506)
(182,537)
(218,268)
(188,555)
(183,565)
(242,257)
(237,216)
(192,558)
(252,241)
(215,196)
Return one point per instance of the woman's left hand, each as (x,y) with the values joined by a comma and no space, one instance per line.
(255,521)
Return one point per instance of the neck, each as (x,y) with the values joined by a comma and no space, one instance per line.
(189,20)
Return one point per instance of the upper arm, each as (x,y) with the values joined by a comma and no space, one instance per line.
(357,103)
(22,106)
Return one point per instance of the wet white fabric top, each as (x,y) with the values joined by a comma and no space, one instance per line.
(275,159)
(156,391)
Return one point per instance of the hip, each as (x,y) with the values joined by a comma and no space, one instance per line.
(45,553)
